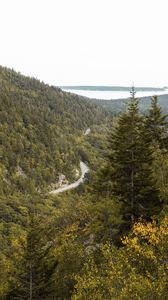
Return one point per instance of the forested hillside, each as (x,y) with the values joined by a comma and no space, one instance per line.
(106,240)
(40,127)
(120,105)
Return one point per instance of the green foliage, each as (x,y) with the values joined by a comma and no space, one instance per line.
(129,170)
(118,106)
(156,125)
(155,133)
(32,276)
(136,271)
(68,246)
(38,133)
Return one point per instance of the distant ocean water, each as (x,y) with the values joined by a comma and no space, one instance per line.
(112,95)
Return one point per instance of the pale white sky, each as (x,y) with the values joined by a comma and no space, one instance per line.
(95,42)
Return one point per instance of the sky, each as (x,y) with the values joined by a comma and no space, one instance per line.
(86,42)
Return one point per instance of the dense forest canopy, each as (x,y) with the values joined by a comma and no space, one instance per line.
(108,239)
(120,105)
(40,127)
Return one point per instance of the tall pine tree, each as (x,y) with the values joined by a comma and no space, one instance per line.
(156,126)
(36,266)
(130,166)
(156,133)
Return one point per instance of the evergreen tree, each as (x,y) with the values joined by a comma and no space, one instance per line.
(155,132)
(130,166)
(156,124)
(35,268)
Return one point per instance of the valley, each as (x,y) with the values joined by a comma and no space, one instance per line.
(95,233)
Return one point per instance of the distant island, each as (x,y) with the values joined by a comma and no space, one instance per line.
(109,88)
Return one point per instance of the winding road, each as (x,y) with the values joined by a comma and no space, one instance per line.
(84,169)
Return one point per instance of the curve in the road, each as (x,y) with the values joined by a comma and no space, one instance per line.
(84,169)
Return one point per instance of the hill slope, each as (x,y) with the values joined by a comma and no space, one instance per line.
(39,126)
(120,105)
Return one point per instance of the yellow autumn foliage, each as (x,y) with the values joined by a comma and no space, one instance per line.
(138,270)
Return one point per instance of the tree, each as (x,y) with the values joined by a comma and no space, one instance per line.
(4,275)
(129,166)
(155,132)
(156,124)
(138,270)
(36,266)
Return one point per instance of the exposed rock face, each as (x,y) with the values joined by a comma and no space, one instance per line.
(87,131)
(62,179)
(77,173)
(20,172)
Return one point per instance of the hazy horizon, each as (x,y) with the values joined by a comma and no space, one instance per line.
(86,42)
(110,86)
